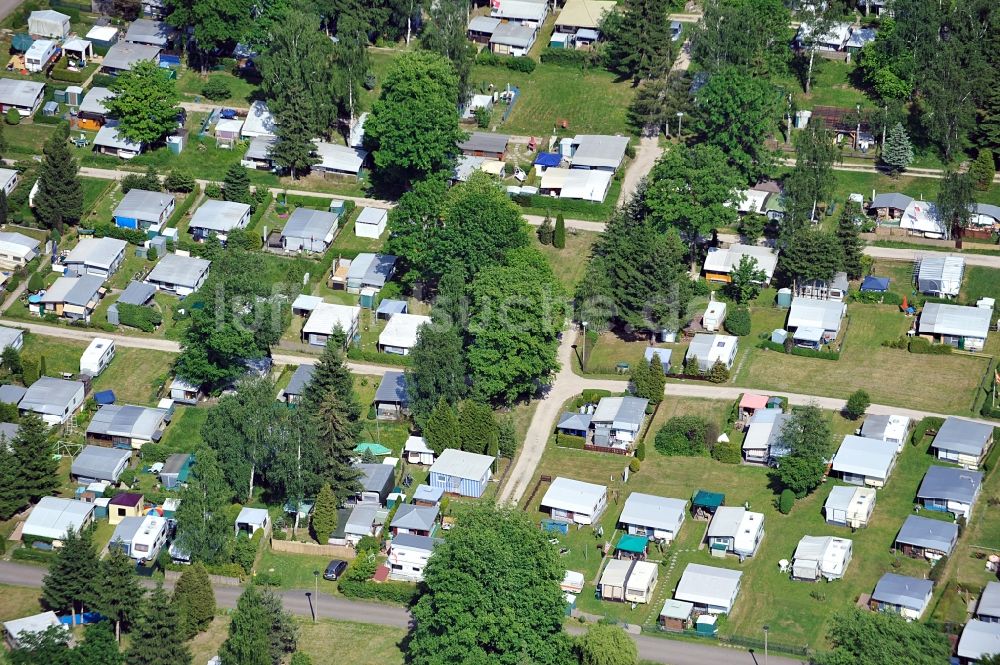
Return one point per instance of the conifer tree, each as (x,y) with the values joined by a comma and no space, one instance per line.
(691,366)
(11,497)
(983,170)
(559,235)
(154,637)
(236,184)
(293,150)
(194,601)
(657,380)
(849,236)
(640,46)
(441,431)
(507,440)
(43,369)
(545,231)
(4,207)
(324,517)
(70,582)
(478,429)
(118,596)
(718,372)
(99,646)
(59,199)
(260,633)
(38,470)
(639,377)
(897,153)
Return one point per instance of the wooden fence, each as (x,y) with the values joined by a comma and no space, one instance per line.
(171,577)
(296,547)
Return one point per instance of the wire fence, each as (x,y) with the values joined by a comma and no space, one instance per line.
(749,643)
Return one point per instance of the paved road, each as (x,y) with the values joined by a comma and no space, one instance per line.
(987,260)
(334,607)
(935,174)
(169,346)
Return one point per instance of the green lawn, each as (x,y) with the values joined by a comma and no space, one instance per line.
(796,617)
(946,383)
(831,86)
(242,91)
(136,375)
(569,263)
(184,432)
(17,602)
(296,570)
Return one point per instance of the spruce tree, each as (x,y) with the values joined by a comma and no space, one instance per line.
(59,199)
(897,153)
(324,517)
(29,373)
(657,380)
(849,237)
(441,431)
(154,637)
(983,170)
(545,231)
(194,601)
(293,151)
(151,180)
(718,372)
(640,47)
(639,377)
(70,583)
(12,497)
(691,366)
(507,440)
(260,632)
(477,426)
(559,235)
(38,470)
(118,596)
(4,207)
(99,646)
(236,184)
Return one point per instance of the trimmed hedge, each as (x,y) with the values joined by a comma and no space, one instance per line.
(931,422)
(799,351)
(569,441)
(31,554)
(517,64)
(145,319)
(63,74)
(568,57)
(354,353)
(107,230)
(921,345)
(390,592)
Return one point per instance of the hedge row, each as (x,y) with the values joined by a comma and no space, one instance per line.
(569,57)
(63,74)
(799,351)
(354,353)
(145,319)
(517,64)
(393,592)
(930,422)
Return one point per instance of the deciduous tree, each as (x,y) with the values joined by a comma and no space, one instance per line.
(607,644)
(446,35)
(877,638)
(753,36)
(857,404)
(955,202)
(807,437)
(747,279)
(437,369)
(811,254)
(203,532)
(145,103)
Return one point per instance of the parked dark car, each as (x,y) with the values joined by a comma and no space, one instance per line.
(334,569)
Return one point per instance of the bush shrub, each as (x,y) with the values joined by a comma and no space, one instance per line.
(522,64)
(857,404)
(786,501)
(372,356)
(592,396)
(683,436)
(13,117)
(145,319)
(213,190)
(924,346)
(789,347)
(640,452)
(106,230)
(738,321)
(727,452)
(216,88)
(929,423)
(179,181)
(267,578)
(36,282)
(570,441)
(634,465)
(568,57)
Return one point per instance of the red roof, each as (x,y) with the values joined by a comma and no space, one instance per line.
(753,401)
(381,574)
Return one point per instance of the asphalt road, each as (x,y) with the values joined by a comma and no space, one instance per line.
(296,601)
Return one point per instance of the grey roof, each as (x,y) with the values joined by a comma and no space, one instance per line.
(372,269)
(30,625)
(416,542)
(389,307)
(462,464)
(484,142)
(220,216)
(15,238)
(136,422)
(9,430)
(874,426)
(147,31)
(928,533)
(892,200)
(253,516)
(50,396)
(123,55)
(953,484)
(979,639)
(174,463)
(11,394)
(17,92)
(943,319)
(940,269)
(180,270)
(99,463)
(79,291)
(901,590)
(574,421)
(416,518)
(309,224)
(653,511)
(8,336)
(335,157)
(483,24)
(726,522)
(93,101)
(707,585)
(964,436)
(513,34)
(392,388)
(371,215)
(621,411)
(136,293)
(840,498)
(53,516)
(865,457)
(599,150)
(989,210)
(300,379)
(375,477)
(702,344)
(361,519)
(428,493)
(98,252)
(126,529)
(809,313)
(143,204)
(989,602)
(108,137)
(260,148)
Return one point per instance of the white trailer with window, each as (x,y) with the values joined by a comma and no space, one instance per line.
(97,356)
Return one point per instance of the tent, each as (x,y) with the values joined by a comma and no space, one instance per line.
(104,397)
(873,283)
(21,42)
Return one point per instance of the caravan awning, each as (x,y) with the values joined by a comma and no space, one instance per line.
(632,544)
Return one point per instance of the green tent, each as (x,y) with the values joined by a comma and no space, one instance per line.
(21,42)
(632,544)
(376,449)
(708,500)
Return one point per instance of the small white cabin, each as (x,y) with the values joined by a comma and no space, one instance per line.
(97,356)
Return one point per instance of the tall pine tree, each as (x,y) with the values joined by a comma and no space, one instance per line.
(442,430)
(12,499)
(59,199)
(70,583)
(194,601)
(261,633)
(154,637)
(293,151)
(639,44)
(118,596)
(236,185)
(849,236)
(559,235)
(99,646)
(897,153)
(478,428)
(324,517)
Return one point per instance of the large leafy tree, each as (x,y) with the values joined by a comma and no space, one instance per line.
(491,595)
(688,188)
(811,254)
(639,44)
(947,105)
(877,638)
(47,647)
(59,199)
(203,531)
(750,34)
(70,582)
(955,201)
(145,103)
(411,221)
(261,632)
(194,601)
(815,152)
(214,25)
(517,315)
(437,369)
(154,638)
(445,34)
(118,596)
(807,436)
(737,112)
(351,55)
(413,127)
(607,644)
(747,279)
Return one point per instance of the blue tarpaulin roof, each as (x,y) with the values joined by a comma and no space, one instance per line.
(873,283)
(104,397)
(548,159)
